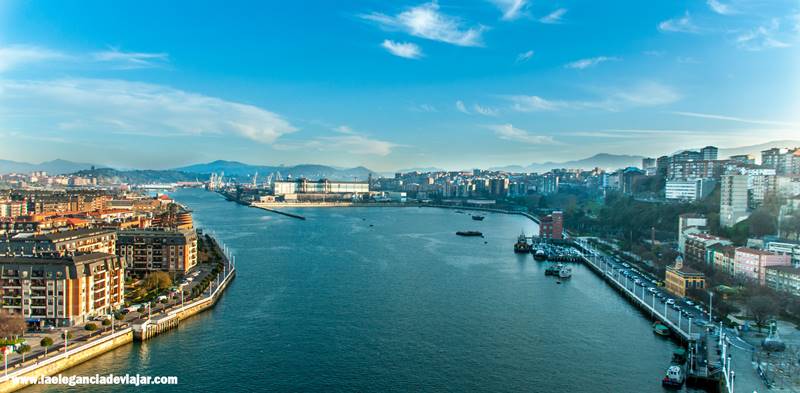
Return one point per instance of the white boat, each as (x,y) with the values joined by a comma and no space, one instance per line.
(565,272)
(674,378)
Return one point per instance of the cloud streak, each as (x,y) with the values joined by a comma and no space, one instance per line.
(18,55)
(510,133)
(646,94)
(346,140)
(736,119)
(407,50)
(553,17)
(524,57)
(116,106)
(130,60)
(426,21)
(682,24)
(590,62)
(719,7)
(512,9)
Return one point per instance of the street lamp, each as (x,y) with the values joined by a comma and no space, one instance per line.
(66,339)
(710,304)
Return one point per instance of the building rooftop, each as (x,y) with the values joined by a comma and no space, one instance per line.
(784,269)
(754,251)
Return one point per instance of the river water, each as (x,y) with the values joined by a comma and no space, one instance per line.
(390,299)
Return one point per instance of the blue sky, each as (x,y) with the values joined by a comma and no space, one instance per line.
(392,84)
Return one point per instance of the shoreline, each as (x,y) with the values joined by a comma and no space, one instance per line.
(57,361)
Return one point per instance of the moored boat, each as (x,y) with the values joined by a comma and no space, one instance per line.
(539,255)
(522,246)
(478,218)
(553,270)
(565,272)
(660,329)
(674,378)
(469,233)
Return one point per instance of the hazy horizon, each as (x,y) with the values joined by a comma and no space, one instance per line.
(393,85)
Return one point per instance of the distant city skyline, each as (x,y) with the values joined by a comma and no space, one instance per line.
(390,85)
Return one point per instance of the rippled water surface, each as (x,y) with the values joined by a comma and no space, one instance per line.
(390,299)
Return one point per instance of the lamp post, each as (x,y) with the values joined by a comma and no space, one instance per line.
(66,339)
(690,326)
(710,305)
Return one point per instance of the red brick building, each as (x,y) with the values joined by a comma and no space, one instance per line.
(551,226)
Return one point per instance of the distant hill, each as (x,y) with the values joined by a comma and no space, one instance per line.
(602,160)
(755,150)
(54,167)
(242,171)
(138,176)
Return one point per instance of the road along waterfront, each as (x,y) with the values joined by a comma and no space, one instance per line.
(364,299)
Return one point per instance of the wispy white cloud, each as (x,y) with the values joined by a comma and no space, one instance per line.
(737,119)
(461,107)
(512,9)
(347,140)
(427,108)
(116,106)
(403,49)
(763,37)
(654,53)
(484,110)
(17,55)
(645,94)
(682,24)
(720,7)
(524,56)
(510,133)
(426,21)
(590,62)
(554,17)
(130,60)
(525,103)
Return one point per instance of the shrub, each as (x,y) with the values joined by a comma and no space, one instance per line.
(90,327)
(106,322)
(67,335)
(46,342)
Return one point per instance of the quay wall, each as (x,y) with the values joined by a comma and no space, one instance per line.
(61,362)
(55,364)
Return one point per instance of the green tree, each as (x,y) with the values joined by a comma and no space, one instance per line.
(761,223)
(157,280)
(23,349)
(45,343)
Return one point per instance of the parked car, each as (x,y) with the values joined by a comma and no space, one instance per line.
(671,301)
(689,302)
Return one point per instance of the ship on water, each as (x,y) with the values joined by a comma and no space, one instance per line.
(522,246)
(478,217)
(565,272)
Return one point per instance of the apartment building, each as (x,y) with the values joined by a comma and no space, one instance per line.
(62,291)
(168,250)
(751,264)
(60,243)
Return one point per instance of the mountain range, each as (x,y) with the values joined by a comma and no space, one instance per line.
(54,167)
(241,170)
(602,160)
(244,172)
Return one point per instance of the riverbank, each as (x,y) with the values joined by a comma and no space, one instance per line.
(58,359)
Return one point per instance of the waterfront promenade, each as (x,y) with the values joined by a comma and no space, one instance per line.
(64,354)
(722,345)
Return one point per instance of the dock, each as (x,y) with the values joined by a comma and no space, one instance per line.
(287,214)
(709,363)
